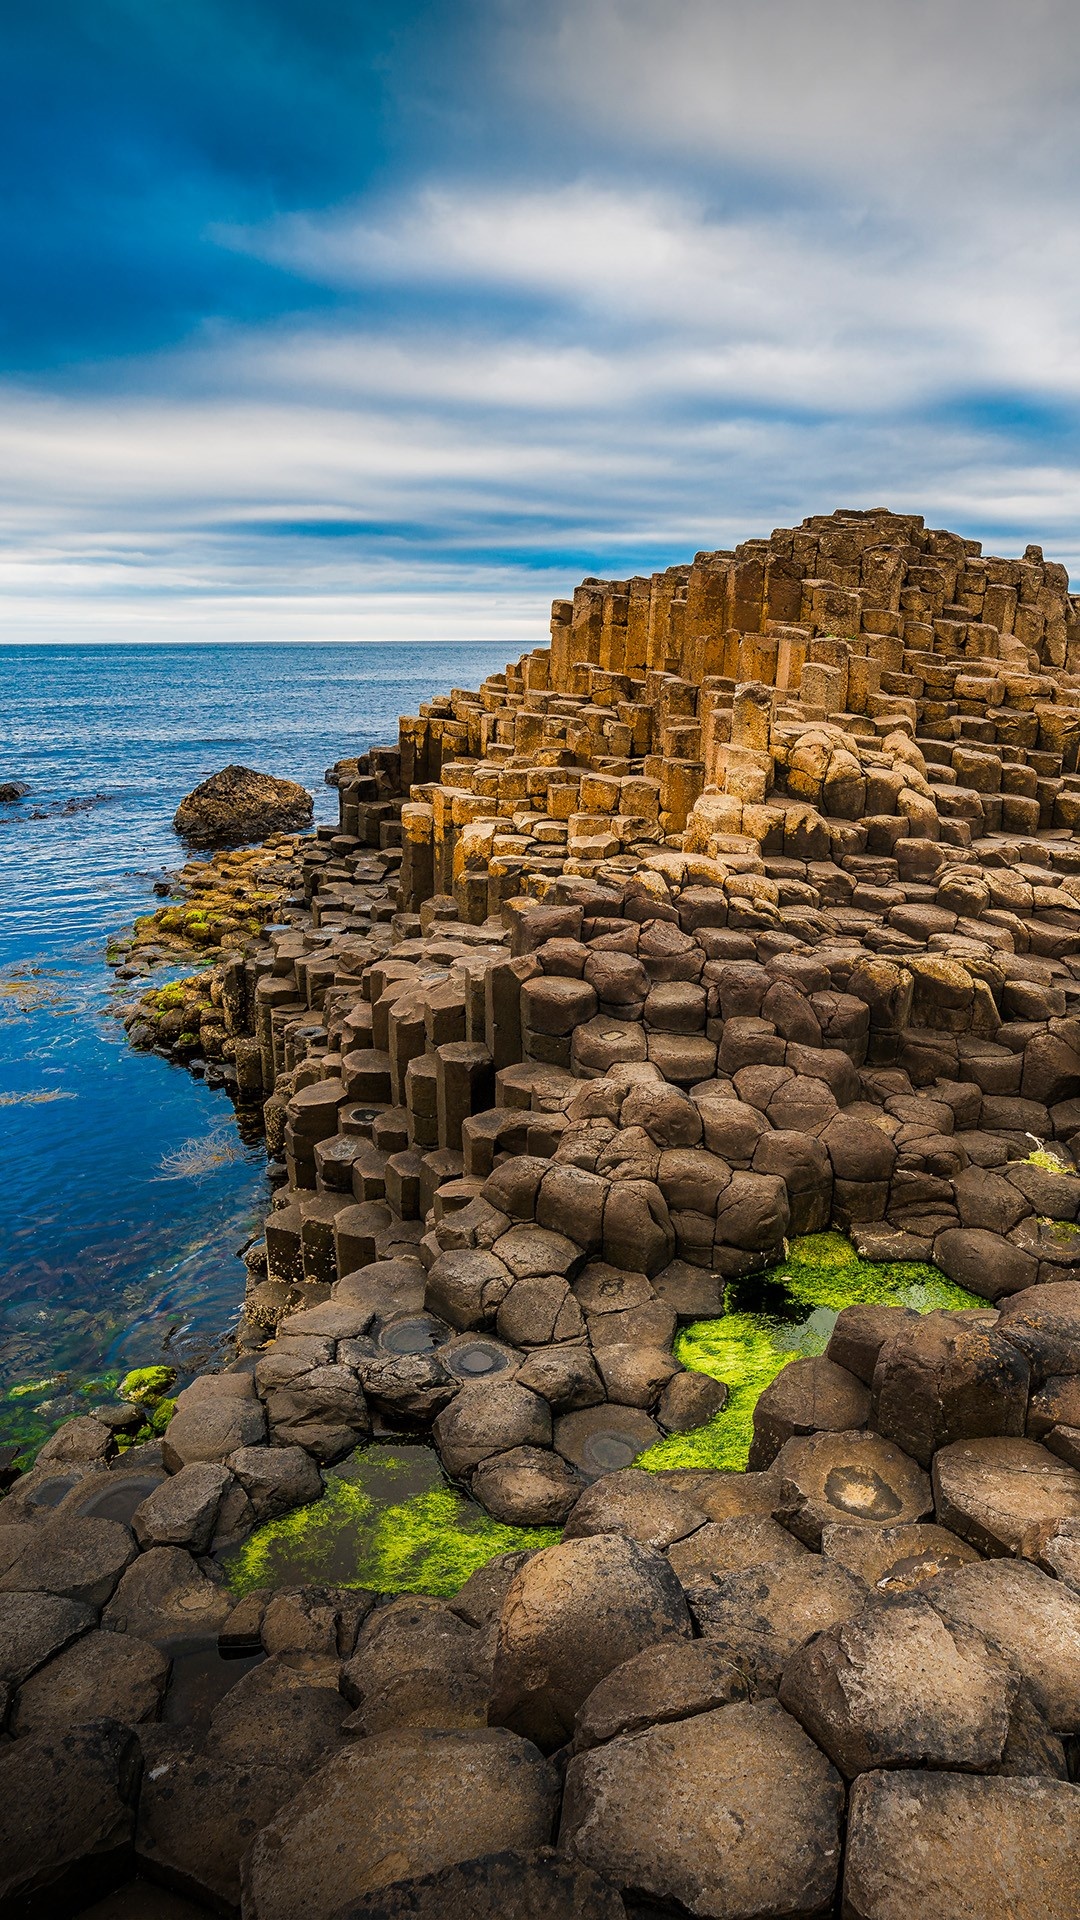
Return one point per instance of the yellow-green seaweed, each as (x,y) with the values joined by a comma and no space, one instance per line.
(746,1349)
(428,1541)
(146,1385)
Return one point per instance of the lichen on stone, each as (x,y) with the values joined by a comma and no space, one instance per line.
(822,1274)
(146,1385)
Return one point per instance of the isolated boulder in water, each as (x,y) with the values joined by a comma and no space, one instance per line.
(238,804)
(12,790)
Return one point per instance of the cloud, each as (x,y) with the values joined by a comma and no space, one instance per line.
(604,284)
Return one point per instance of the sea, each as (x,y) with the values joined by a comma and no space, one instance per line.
(126,1191)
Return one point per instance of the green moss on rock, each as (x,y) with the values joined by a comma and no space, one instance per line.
(146,1385)
(427,1539)
(745,1348)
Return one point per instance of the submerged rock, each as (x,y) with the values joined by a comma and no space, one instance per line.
(238,804)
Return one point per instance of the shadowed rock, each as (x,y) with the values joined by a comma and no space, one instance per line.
(237,805)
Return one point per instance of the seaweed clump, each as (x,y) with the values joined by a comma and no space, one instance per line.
(388,1521)
(785,1314)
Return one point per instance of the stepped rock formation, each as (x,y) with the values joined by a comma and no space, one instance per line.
(749,908)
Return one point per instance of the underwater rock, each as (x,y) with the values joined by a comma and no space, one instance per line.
(239,805)
(11,790)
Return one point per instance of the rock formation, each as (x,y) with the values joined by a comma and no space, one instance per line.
(748,909)
(238,805)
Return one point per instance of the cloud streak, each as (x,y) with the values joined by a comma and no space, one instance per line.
(648,281)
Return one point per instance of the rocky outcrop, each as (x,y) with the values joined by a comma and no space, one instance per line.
(238,805)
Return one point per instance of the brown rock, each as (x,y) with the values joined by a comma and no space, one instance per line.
(286,1712)
(940,1379)
(723,1546)
(572,1614)
(852,1479)
(1035,1621)
(34,1627)
(669,1681)
(103,1676)
(598,1440)
(1004,1495)
(182,1511)
(527,1487)
(539,1885)
(239,805)
(732,1812)
(860,1333)
(199,1813)
(899,1686)
(1044,1323)
(166,1595)
(565,1376)
(484,1420)
(365,1820)
(635,1504)
(75,1557)
(811,1395)
(896,1559)
(761,1615)
(417,1664)
(722,1495)
(67,1816)
(925,1845)
(690,1400)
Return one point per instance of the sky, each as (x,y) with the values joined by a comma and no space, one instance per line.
(334,320)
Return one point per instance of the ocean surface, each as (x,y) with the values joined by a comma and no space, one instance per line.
(111,1254)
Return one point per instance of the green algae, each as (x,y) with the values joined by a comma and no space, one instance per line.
(388,1521)
(146,1385)
(796,1304)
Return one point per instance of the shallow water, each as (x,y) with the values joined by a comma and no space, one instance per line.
(110,1257)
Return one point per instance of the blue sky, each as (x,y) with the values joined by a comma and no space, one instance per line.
(327,319)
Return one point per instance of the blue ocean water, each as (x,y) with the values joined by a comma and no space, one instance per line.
(110,1256)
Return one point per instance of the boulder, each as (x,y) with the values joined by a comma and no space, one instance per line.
(307,1620)
(634,1503)
(102,1676)
(565,1376)
(199,1813)
(238,805)
(365,1820)
(760,1616)
(925,1845)
(690,1400)
(538,1885)
(480,1601)
(1032,1619)
(212,1427)
(811,1395)
(483,1420)
(722,1494)
(899,1686)
(732,1812)
(668,1681)
(276,1479)
(286,1712)
(896,1559)
(854,1479)
(34,1627)
(572,1614)
(76,1557)
(182,1511)
(67,1816)
(84,1440)
(166,1595)
(323,1411)
(859,1334)
(417,1664)
(1004,1495)
(527,1487)
(721,1547)
(940,1378)
(467,1286)
(1044,1323)
(597,1440)
(984,1262)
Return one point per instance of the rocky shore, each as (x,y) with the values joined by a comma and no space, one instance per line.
(745,915)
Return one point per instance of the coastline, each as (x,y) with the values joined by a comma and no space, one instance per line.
(618,981)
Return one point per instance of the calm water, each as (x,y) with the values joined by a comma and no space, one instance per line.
(108,1258)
